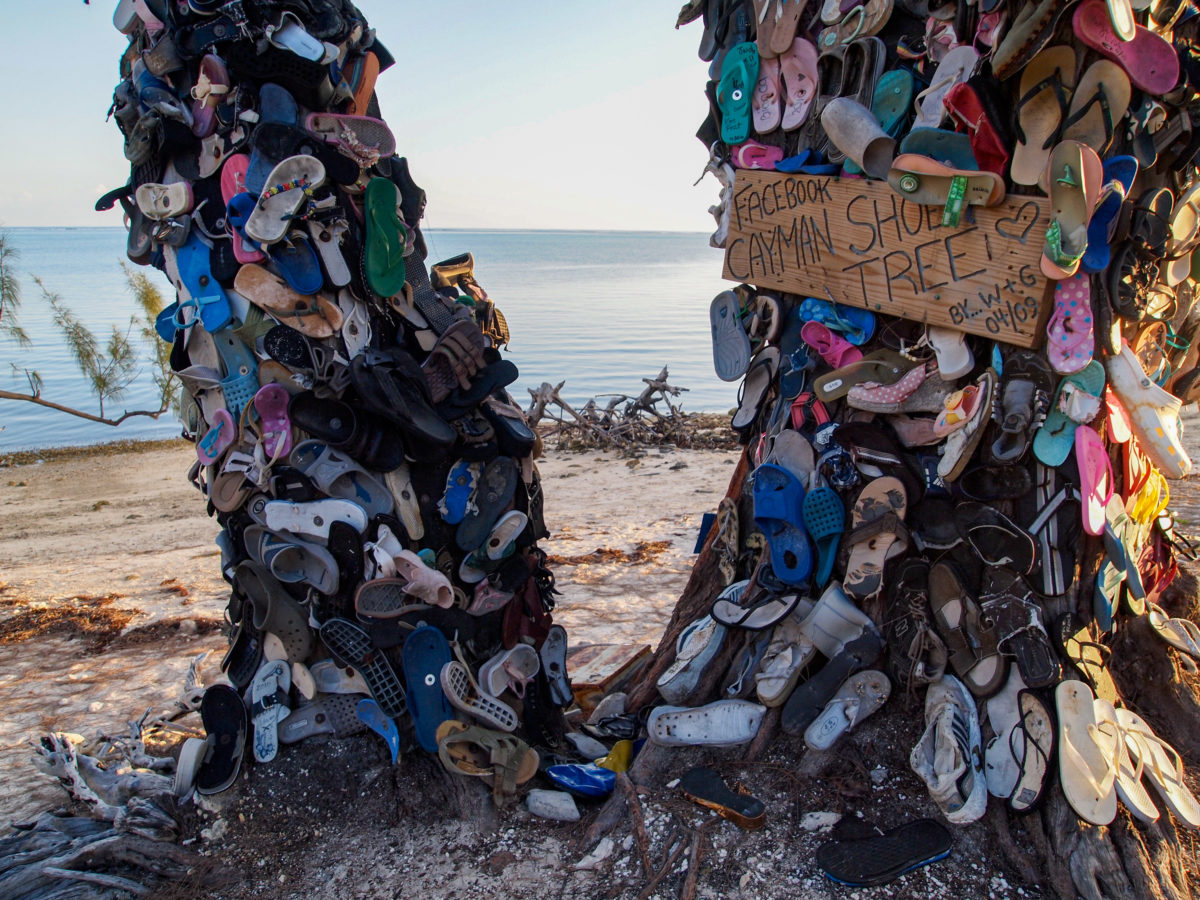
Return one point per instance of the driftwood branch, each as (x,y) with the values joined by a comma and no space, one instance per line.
(623,422)
(71,411)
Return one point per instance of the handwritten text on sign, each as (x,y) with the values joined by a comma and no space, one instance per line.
(860,243)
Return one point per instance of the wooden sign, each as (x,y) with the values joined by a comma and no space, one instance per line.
(860,243)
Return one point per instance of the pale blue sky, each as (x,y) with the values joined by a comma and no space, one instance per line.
(513,115)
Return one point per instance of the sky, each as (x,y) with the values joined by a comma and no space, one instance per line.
(524,114)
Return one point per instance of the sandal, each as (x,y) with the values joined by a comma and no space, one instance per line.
(505,760)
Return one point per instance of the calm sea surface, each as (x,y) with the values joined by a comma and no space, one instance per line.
(601,310)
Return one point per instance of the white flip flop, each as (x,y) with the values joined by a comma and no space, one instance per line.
(269,706)
(1161,765)
(1087,761)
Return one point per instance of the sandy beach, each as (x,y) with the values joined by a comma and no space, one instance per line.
(110,582)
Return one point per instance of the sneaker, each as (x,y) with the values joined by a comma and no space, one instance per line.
(949,756)
(917,655)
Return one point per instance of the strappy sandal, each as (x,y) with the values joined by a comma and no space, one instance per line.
(456,359)
(504,760)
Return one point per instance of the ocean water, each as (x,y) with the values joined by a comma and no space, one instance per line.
(600,310)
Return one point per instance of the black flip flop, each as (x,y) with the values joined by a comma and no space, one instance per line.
(878,860)
(1050,513)
(1036,732)
(705,787)
(393,386)
(226,723)
(765,610)
(988,483)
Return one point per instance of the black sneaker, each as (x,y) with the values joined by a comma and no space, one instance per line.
(916,655)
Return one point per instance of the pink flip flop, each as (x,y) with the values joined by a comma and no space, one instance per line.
(271,404)
(753,155)
(766,107)
(233,182)
(833,348)
(221,432)
(798,68)
(1149,58)
(1095,472)
(1070,327)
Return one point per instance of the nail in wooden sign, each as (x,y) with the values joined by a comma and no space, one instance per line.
(858,242)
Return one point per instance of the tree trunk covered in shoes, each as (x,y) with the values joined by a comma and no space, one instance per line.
(1051,847)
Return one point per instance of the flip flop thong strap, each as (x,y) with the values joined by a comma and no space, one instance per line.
(1054,83)
(1101,97)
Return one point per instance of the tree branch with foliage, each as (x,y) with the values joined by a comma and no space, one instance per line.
(109,368)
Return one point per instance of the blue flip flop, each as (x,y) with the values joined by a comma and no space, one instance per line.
(194,262)
(807,162)
(825,520)
(425,652)
(296,260)
(1119,173)
(460,485)
(372,716)
(854,324)
(735,91)
(778,512)
(278,106)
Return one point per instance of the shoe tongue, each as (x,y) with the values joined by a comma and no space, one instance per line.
(948,762)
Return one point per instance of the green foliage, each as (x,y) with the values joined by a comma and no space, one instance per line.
(109,367)
(10,294)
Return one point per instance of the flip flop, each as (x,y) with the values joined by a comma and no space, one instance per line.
(778,499)
(1130,762)
(426,651)
(767,106)
(735,91)
(995,538)
(731,344)
(1070,330)
(963,441)
(1181,633)
(883,367)
(854,324)
(755,387)
(1162,766)
(931,183)
(1087,657)
(966,110)
(1041,105)
(226,726)
(1087,772)
(877,535)
(1098,105)
(296,260)
(880,859)
(705,787)
(269,706)
(288,187)
(1074,177)
(1030,30)
(315,316)
(1119,173)
(787,21)
(798,69)
(1050,515)
(1149,59)
(955,68)
(1097,475)
(947,147)
(387,240)
(764,611)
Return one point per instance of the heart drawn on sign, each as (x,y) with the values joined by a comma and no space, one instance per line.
(1016,221)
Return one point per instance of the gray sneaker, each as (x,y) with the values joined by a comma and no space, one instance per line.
(949,756)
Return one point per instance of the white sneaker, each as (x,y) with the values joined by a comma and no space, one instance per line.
(949,756)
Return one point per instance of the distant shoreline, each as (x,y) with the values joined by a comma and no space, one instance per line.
(12,458)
